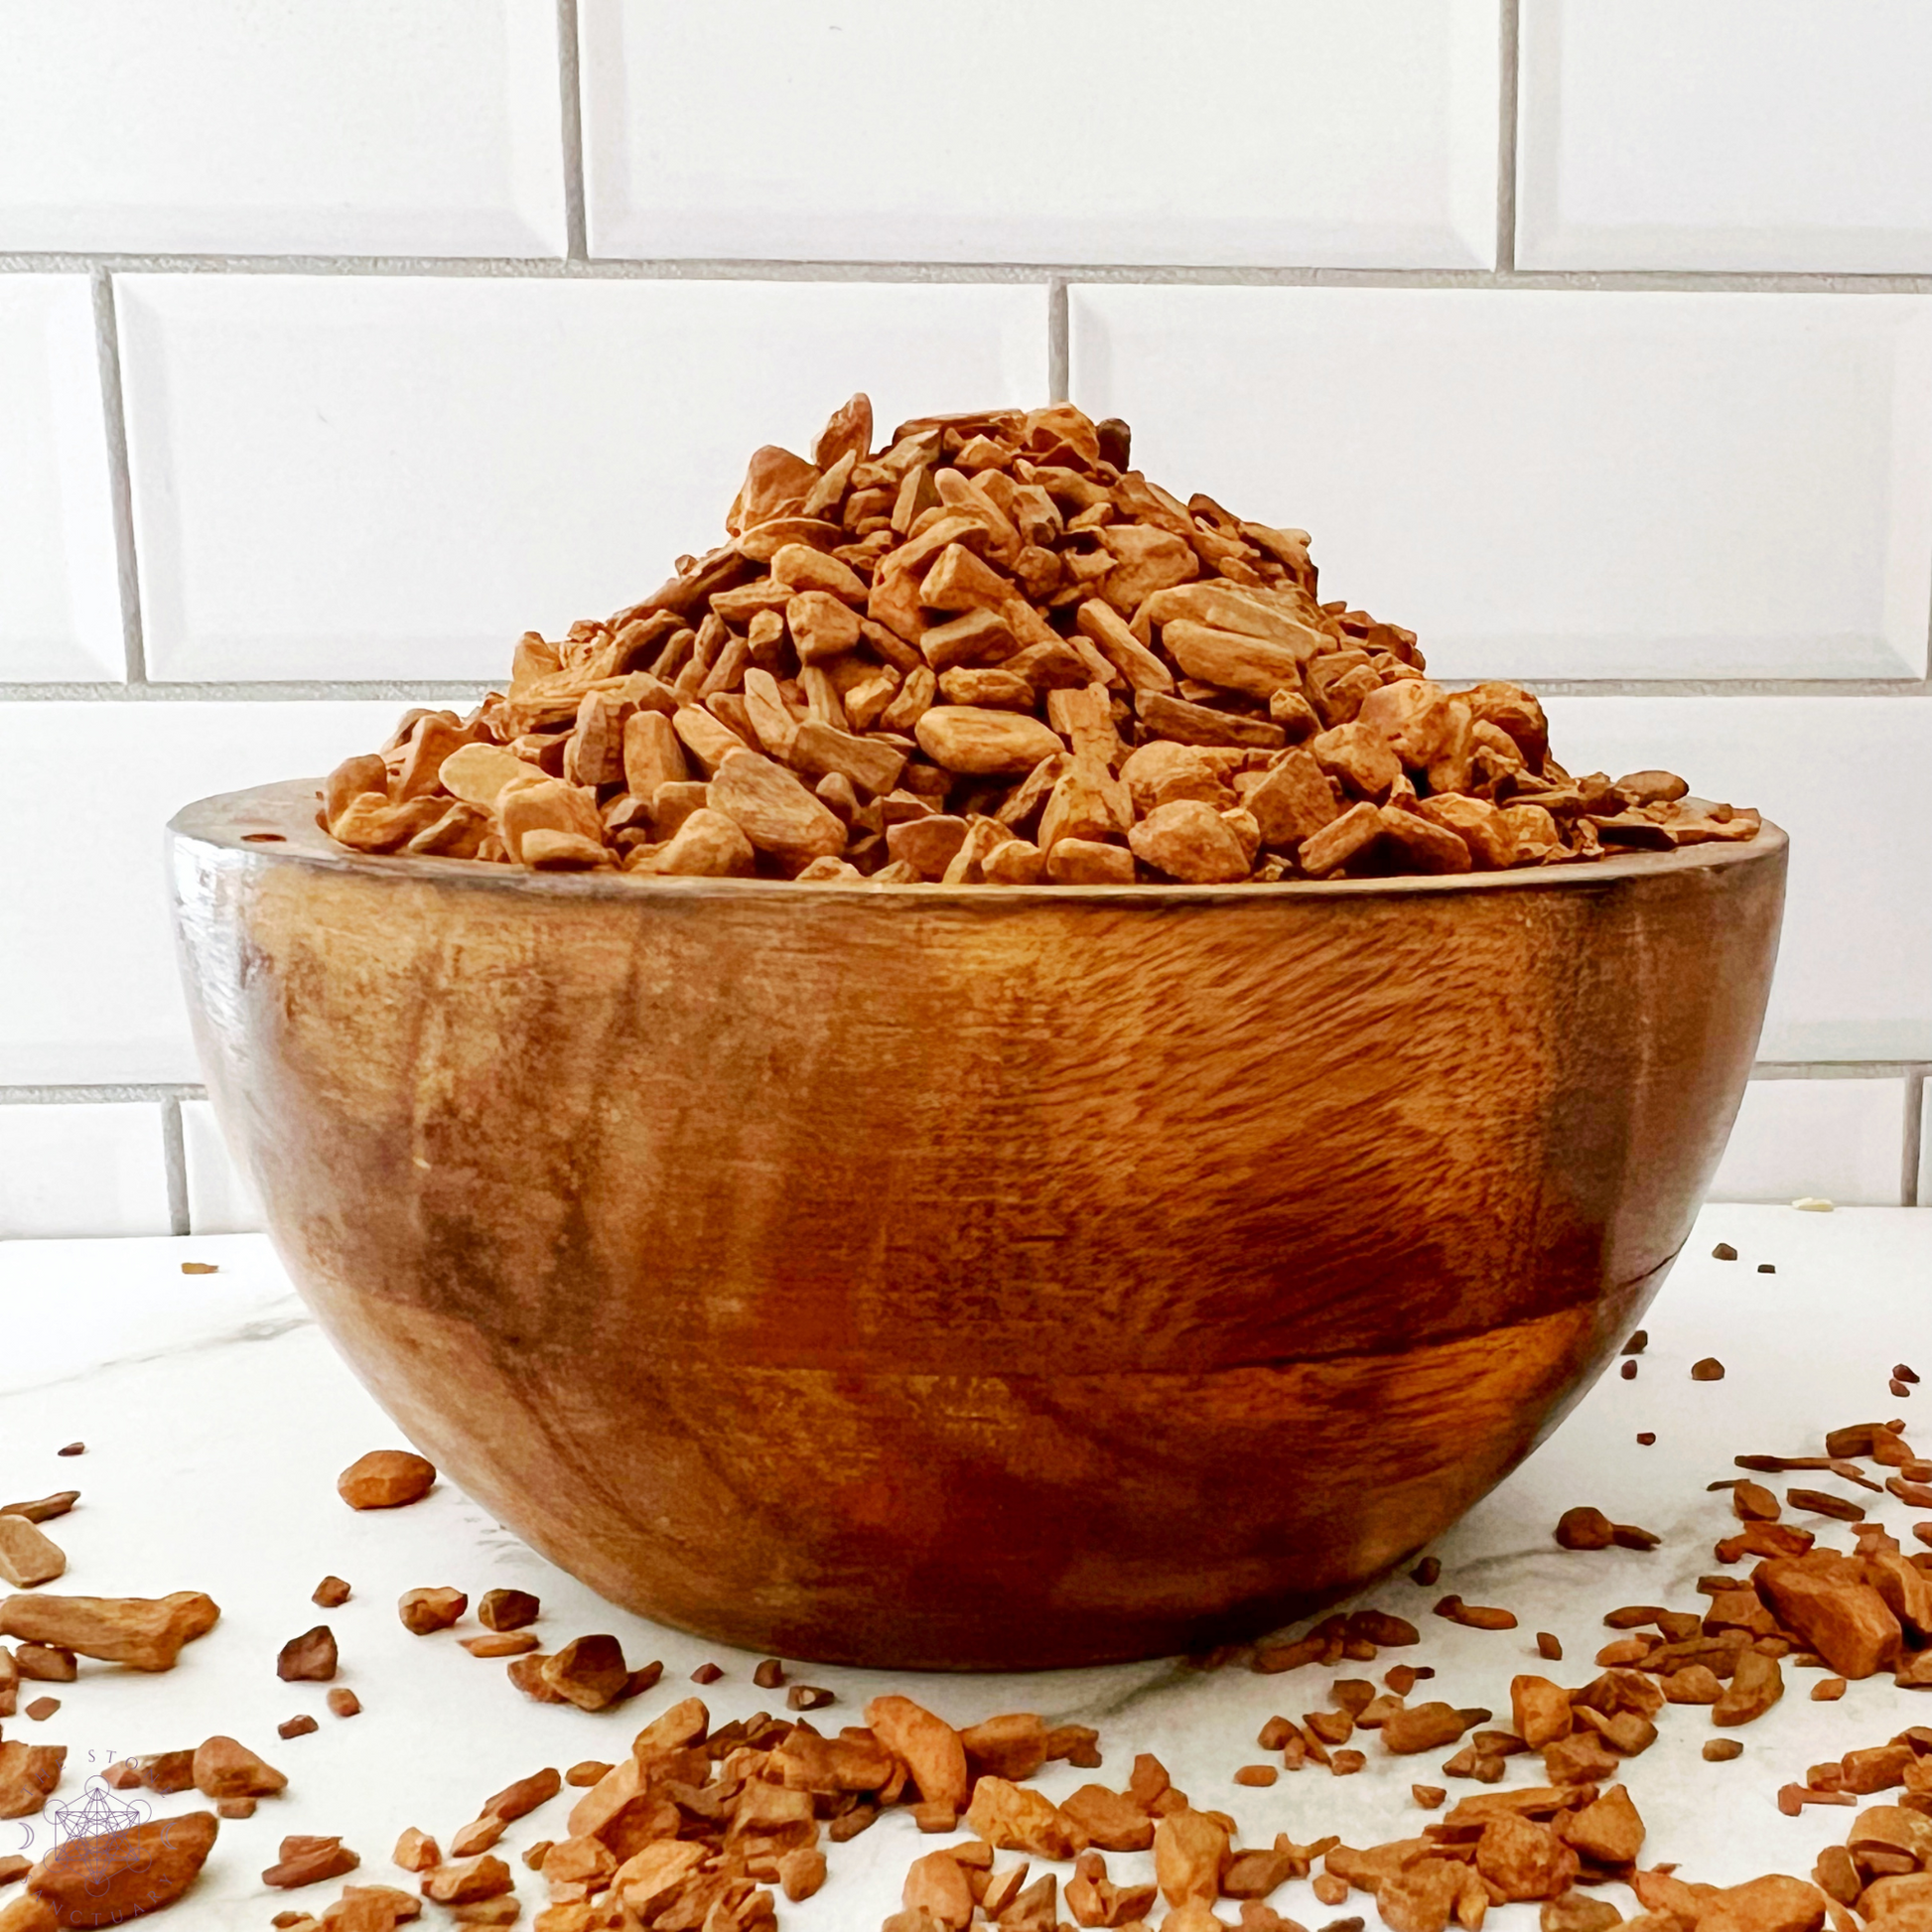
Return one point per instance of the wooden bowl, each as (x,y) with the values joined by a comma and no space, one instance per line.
(971,1278)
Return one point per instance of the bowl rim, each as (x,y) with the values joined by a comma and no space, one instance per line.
(275,824)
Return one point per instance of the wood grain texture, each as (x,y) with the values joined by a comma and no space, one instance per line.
(971,1278)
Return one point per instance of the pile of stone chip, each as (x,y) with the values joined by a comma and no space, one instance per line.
(993,653)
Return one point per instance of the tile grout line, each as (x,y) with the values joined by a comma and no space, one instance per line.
(173,1157)
(1508,90)
(1911,1147)
(771,269)
(412,690)
(1835,1069)
(100,1093)
(120,483)
(1059,376)
(571,105)
(1739,687)
(270,690)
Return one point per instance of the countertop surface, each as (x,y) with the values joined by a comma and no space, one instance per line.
(217,1418)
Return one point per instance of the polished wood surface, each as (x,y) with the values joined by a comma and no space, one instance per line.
(971,1277)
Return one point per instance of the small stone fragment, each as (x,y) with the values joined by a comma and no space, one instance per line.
(47,1508)
(1575,1911)
(1693,1683)
(1539,1710)
(801,1871)
(298,1727)
(1016,1817)
(462,1884)
(926,1745)
(1523,1859)
(1608,1830)
(476,1835)
(507,1609)
(45,1662)
(769,1675)
(1774,1903)
(1719,1751)
(42,1709)
(1189,841)
(145,1633)
(1548,1647)
(1474,1617)
(308,1659)
(510,1643)
(344,1702)
(936,1885)
(28,1773)
(385,1479)
(331,1593)
(28,1557)
(526,1673)
(223,1768)
(499,1911)
(429,1609)
(1724,1251)
(589,1672)
(117,1876)
(310,1861)
(416,1851)
(1426,1727)
(1113,1820)
(518,1800)
(72,1449)
(1710,1369)
(707,1674)
(235,1807)
(1840,1616)
(1190,1853)
(1584,1528)
(166,1771)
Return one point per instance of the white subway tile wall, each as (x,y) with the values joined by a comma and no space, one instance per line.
(1853,980)
(1727,134)
(394,478)
(1559,483)
(81,1168)
(1357,132)
(59,605)
(281,127)
(339,344)
(89,989)
(221,1198)
(1810,1140)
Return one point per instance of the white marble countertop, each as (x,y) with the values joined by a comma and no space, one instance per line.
(217,1418)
